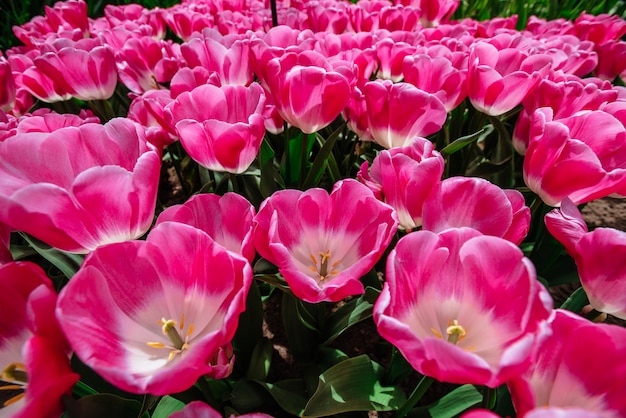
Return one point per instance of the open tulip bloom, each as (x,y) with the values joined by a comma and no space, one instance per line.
(448,310)
(323,243)
(154,325)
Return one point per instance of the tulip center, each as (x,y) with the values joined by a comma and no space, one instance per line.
(171,329)
(456,333)
(322,265)
(16,373)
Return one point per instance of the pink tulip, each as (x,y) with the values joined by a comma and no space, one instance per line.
(323,243)
(599,256)
(398,113)
(611,60)
(228,56)
(476,203)
(154,325)
(498,80)
(364,15)
(390,55)
(436,76)
(566,95)
(45,120)
(144,62)
(7,94)
(433,12)
(565,373)
(185,19)
(187,79)
(33,351)
(449,310)
(148,111)
(403,178)
(121,14)
(327,16)
(309,93)
(198,409)
(227,219)
(599,29)
(85,70)
(66,16)
(400,18)
(220,127)
(569,54)
(5,244)
(76,193)
(582,157)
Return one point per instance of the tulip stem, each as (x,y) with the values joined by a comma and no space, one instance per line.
(489,398)
(415,397)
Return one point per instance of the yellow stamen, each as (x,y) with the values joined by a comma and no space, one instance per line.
(155,344)
(14,399)
(15,372)
(437,333)
(325,269)
(11,387)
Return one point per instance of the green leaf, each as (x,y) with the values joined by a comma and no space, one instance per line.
(314,175)
(451,405)
(261,360)
(246,396)
(577,301)
(464,141)
(103,406)
(353,385)
(166,406)
(68,263)
(289,394)
(350,313)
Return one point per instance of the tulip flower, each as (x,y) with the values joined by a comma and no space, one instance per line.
(76,193)
(611,60)
(390,55)
(228,56)
(566,95)
(154,325)
(309,93)
(227,219)
(34,355)
(85,70)
(45,120)
(398,113)
(403,178)
(449,310)
(476,203)
(438,76)
(220,127)
(565,373)
(7,94)
(323,243)
(148,111)
(498,80)
(187,79)
(582,157)
(599,256)
(599,29)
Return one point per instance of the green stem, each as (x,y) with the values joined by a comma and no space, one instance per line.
(415,397)
(489,398)
(594,314)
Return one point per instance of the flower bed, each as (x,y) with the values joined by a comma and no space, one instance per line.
(184,188)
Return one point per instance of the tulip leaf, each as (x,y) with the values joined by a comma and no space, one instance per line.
(577,301)
(67,263)
(451,405)
(488,168)
(353,385)
(261,360)
(314,175)
(166,406)
(464,141)
(350,313)
(103,406)
(288,394)
(399,368)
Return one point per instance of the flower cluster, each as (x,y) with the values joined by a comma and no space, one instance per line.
(372,161)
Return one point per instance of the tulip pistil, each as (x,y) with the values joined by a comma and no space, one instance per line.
(169,328)
(455,332)
(324,260)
